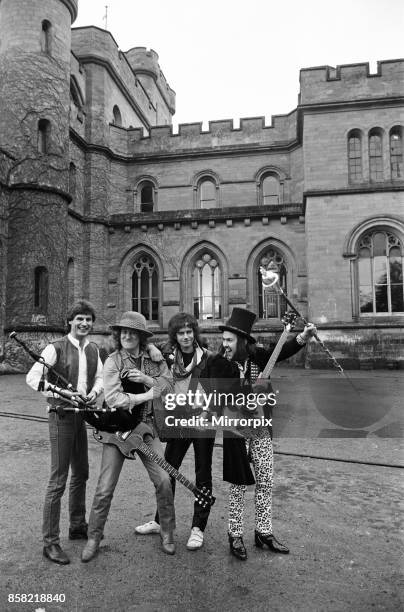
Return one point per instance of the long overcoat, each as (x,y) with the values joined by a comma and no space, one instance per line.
(226,377)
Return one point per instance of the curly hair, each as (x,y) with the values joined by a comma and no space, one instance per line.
(183,319)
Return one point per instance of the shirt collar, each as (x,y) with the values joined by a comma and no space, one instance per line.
(76,343)
(128,355)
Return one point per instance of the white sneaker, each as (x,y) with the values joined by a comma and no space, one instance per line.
(195,539)
(150,527)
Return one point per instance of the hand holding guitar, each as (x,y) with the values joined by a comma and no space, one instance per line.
(310,330)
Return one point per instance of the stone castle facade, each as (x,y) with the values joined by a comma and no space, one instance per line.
(100,199)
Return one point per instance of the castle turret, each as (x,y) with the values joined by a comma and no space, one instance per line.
(35,41)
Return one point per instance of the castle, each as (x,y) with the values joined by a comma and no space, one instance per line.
(100,199)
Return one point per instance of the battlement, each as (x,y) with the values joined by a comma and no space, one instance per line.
(350,82)
(191,136)
(146,61)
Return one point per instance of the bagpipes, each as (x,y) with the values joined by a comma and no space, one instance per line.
(63,389)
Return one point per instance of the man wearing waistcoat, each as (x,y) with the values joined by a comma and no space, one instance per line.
(77,360)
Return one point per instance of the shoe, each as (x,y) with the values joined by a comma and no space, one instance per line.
(237,547)
(150,527)
(167,543)
(195,539)
(90,550)
(54,553)
(271,542)
(78,534)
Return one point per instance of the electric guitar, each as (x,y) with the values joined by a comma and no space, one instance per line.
(131,442)
(289,321)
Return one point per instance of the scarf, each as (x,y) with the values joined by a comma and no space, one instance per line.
(178,369)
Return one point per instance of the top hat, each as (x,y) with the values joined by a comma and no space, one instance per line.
(240,323)
(133,320)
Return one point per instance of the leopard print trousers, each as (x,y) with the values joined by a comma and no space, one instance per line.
(261,453)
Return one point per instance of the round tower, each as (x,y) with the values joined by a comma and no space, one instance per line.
(35,40)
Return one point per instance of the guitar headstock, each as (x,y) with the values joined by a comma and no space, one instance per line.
(204,497)
(289,319)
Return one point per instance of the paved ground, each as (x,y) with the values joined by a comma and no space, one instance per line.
(341,519)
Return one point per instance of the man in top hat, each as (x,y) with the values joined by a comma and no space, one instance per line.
(131,381)
(237,373)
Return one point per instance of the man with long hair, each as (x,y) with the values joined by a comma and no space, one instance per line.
(131,381)
(238,372)
(189,366)
(77,360)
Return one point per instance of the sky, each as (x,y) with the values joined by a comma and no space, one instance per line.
(228,59)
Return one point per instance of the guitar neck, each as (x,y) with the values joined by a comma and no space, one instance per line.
(275,354)
(146,450)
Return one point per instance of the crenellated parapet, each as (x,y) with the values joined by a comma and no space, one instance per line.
(351,82)
(221,134)
(146,61)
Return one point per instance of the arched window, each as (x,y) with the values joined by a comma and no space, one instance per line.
(43,136)
(376,155)
(272,305)
(207,287)
(355,157)
(46,31)
(396,153)
(72,179)
(41,289)
(270,190)
(380,273)
(70,282)
(145,287)
(117,117)
(146,197)
(207,193)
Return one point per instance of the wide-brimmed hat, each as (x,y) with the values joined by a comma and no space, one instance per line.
(240,323)
(133,320)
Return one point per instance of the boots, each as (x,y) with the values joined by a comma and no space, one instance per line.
(237,547)
(271,542)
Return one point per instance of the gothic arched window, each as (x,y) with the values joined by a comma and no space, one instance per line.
(376,155)
(145,287)
(396,153)
(270,303)
(355,157)
(207,287)
(380,273)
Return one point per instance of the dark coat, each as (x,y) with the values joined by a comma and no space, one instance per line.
(236,465)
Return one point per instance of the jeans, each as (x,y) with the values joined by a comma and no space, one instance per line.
(111,466)
(176,450)
(69,448)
